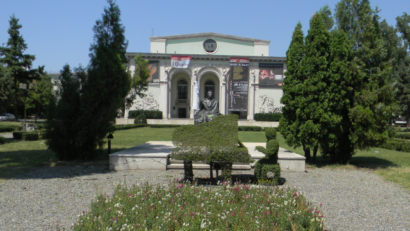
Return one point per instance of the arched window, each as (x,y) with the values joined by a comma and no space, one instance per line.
(209,85)
(182,89)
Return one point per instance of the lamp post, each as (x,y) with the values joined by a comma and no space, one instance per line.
(109,137)
(24,87)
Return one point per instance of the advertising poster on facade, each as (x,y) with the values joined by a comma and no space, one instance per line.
(270,75)
(180,61)
(238,84)
(153,67)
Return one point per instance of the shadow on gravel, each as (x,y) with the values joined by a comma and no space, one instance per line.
(370,163)
(43,164)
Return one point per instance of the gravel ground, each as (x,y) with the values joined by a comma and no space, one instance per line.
(352,200)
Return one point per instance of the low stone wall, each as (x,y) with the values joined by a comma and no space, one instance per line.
(262,124)
(123,121)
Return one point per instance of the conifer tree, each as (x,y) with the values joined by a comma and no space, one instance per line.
(373,100)
(292,89)
(17,63)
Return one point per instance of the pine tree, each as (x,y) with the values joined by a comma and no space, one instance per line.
(40,96)
(17,63)
(292,89)
(373,100)
(107,83)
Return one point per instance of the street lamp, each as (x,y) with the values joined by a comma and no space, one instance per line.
(24,87)
(109,137)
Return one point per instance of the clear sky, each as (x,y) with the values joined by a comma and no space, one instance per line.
(60,32)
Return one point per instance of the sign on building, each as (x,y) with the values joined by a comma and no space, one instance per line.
(180,61)
(270,75)
(153,67)
(238,84)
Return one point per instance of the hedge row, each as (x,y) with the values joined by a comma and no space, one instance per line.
(250,128)
(29,135)
(396,146)
(404,135)
(9,128)
(2,140)
(267,116)
(129,126)
(147,114)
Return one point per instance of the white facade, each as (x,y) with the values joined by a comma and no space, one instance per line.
(167,93)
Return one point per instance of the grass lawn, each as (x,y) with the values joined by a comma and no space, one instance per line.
(17,157)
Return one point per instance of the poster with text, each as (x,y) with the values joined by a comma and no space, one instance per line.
(238,84)
(180,61)
(270,75)
(153,67)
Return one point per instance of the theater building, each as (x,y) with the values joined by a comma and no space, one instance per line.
(244,78)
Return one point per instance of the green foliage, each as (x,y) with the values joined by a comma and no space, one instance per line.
(267,116)
(270,133)
(9,128)
(271,168)
(140,119)
(139,82)
(40,96)
(401,135)
(250,128)
(148,207)
(18,135)
(269,162)
(2,140)
(18,64)
(397,145)
(147,114)
(129,126)
(212,141)
(164,126)
(30,136)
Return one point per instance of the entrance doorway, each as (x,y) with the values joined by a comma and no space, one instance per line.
(181,112)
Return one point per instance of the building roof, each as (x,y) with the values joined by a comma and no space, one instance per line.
(208,34)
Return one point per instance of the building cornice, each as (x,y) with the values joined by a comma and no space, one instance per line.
(207,57)
(209,34)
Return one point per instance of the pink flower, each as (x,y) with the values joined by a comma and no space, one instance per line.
(295,194)
(266,213)
(180,186)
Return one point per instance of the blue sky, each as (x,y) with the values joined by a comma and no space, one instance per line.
(60,32)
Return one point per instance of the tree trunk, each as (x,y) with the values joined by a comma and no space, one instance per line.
(15,99)
(307,153)
(315,152)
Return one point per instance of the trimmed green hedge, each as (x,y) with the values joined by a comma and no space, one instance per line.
(267,116)
(140,119)
(275,169)
(164,125)
(2,140)
(404,135)
(270,133)
(396,145)
(250,128)
(30,136)
(18,135)
(147,114)
(9,128)
(129,126)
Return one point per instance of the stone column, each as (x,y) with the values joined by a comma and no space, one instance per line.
(164,94)
(222,103)
(251,95)
(194,92)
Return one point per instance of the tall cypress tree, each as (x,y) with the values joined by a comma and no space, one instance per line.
(17,63)
(373,100)
(292,89)
(107,83)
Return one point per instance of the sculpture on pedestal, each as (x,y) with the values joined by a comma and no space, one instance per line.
(208,108)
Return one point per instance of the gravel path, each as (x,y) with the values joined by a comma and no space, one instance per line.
(352,200)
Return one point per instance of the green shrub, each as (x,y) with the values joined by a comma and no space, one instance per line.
(2,140)
(165,125)
(42,134)
(271,168)
(396,145)
(250,128)
(9,128)
(267,116)
(30,136)
(181,207)
(270,159)
(18,135)
(140,119)
(129,126)
(402,135)
(147,114)
(270,133)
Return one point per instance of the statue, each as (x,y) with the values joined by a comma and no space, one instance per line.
(209,107)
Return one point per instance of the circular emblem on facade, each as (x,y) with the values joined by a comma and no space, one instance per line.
(210,46)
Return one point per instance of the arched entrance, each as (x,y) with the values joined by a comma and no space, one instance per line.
(209,81)
(180,95)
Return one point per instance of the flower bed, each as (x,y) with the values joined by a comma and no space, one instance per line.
(185,207)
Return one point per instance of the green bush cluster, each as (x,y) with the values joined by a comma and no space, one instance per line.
(164,125)
(18,135)
(9,128)
(129,126)
(140,119)
(2,140)
(250,128)
(269,163)
(147,114)
(28,135)
(397,145)
(267,116)
(402,135)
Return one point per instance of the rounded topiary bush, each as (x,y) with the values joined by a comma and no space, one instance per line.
(270,133)
(272,149)
(140,119)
